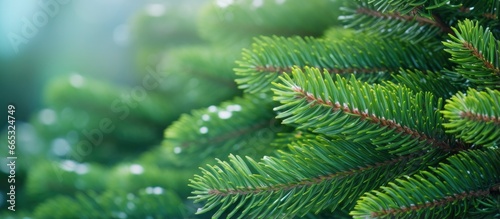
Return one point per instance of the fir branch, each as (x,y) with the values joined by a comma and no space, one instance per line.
(380,121)
(370,60)
(422,21)
(446,201)
(477,52)
(361,112)
(467,178)
(224,129)
(468,115)
(474,116)
(413,23)
(292,184)
(406,6)
(281,70)
(308,182)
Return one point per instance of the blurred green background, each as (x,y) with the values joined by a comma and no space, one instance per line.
(91,38)
(105,46)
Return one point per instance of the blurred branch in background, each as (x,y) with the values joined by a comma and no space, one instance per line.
(85,81)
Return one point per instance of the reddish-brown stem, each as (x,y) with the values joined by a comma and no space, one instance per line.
(310,181)
(435,203)
(478,117)
(382,122)
(476,53)
(281,70)
(437,22)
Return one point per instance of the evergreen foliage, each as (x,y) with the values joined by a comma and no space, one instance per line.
(395,114)
(474,118)
(408,144)
(372,60)
(443,192)
(384,116)
(482,68)
(236,125)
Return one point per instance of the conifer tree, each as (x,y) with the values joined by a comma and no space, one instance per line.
(286,109)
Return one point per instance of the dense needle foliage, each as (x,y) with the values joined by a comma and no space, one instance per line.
(284,109)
